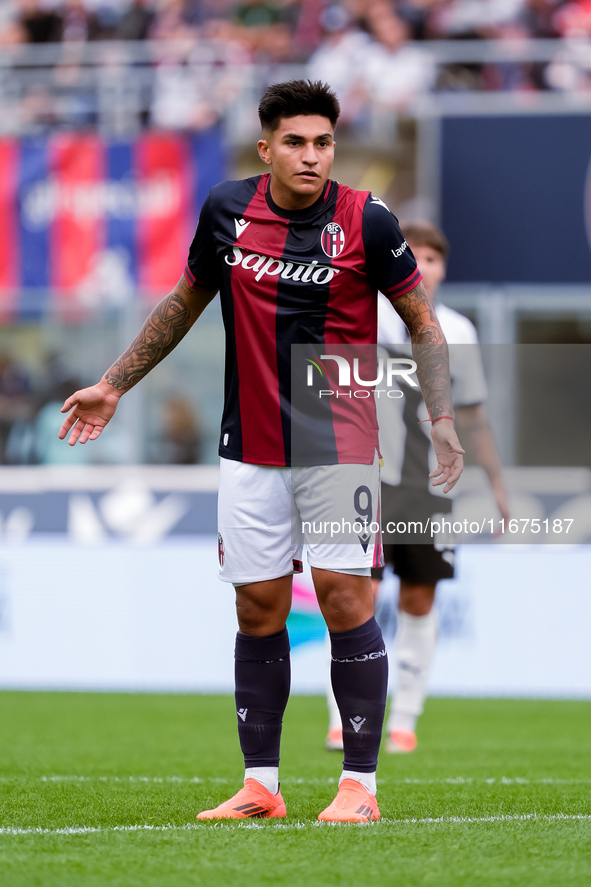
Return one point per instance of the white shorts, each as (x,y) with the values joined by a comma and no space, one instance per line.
(267,514)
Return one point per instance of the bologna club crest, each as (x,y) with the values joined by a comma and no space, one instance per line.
(221,551)
(332,240)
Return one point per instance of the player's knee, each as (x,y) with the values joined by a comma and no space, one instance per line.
(251,616)
(416,599)
(344,608)
(259,617)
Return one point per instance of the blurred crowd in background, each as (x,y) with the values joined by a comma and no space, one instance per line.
(30,418)
(290,30)
(366,48)
(120,67)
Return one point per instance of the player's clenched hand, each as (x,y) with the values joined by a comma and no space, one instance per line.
(450,461)
(91,409)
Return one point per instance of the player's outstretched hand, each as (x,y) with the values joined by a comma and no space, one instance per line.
(450,461)
(91,409)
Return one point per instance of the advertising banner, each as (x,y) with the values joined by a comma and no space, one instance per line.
(152,614)
(515,198)
(81,215)
(156,617)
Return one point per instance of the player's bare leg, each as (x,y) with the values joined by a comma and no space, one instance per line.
(262,691)
(262,608)
(359,673)
(415,644)
(416,599)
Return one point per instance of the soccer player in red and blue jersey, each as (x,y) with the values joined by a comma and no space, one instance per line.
(298,260)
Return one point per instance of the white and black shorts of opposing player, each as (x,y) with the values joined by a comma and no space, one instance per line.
(333,429)
(410,502)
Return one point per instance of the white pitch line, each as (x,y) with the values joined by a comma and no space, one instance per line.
(290,780)
(435,820)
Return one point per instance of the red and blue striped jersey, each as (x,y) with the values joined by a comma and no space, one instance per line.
(300,277)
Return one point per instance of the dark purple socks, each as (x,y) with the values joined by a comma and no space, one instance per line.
(263,675)
(359,673)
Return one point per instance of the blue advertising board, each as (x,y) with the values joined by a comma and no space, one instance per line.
(515,198)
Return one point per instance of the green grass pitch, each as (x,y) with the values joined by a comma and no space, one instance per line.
(102,789)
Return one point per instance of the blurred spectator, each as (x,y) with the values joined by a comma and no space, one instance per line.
(395,72)
(200,12)
(55,372)
(416,14)
(12,33)
(194,85)
(257,14)
(171,22)
(78,24)
(375,71)
(40,25)
(38,109)
(135,23)
(359,9)
(16,399)
(573,19)
(482,18)
(570,70)
(308,30)
(108,13)
(181,439)
(462,76)
(8,13)
(267,27)
(340,58)
(181,99)
(538,17)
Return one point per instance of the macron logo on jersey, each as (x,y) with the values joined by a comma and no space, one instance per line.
(241,226)
(379,202)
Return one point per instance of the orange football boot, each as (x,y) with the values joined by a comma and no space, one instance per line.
(353,803)
(251,802)
(401,742)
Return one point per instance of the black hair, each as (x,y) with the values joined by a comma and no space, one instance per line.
(297,97)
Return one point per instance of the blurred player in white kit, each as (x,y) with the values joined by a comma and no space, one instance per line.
(408,496)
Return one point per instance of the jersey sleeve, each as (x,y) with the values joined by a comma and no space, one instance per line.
(202,269)
(468,383)
(390,264)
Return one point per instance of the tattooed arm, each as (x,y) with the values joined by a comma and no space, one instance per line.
(429,349)
(91,408)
